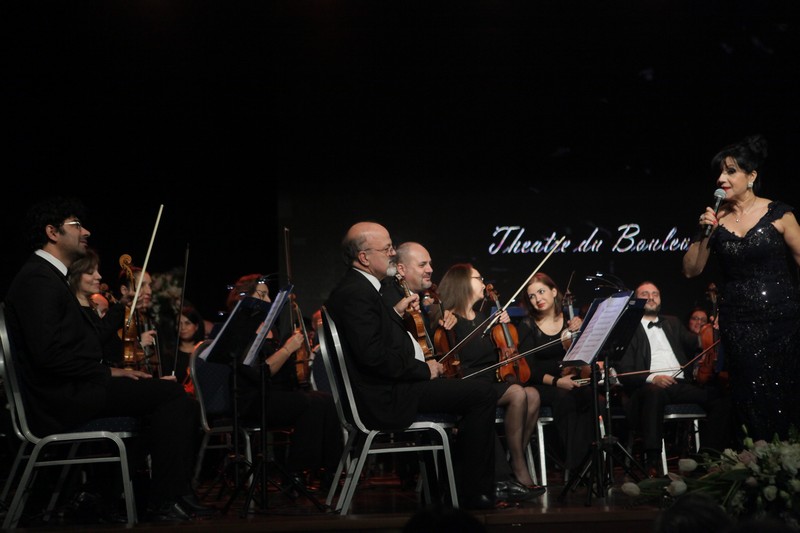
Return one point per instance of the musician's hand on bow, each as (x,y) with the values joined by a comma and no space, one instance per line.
(436,368)
(663,380)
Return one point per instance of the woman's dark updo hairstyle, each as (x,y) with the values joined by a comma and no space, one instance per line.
(750,154)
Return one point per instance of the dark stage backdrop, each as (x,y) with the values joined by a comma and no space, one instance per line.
(454,124)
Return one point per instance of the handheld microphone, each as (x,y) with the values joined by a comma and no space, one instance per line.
(719,195)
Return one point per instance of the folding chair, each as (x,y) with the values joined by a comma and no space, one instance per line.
(682,411)
(363,442)
(103,430)
(212,388)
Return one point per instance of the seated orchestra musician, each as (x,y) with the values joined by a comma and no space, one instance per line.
(392,381)
(546,329)
(460,290)
(316,442)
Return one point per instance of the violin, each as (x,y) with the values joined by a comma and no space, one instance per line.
(581,373)
(134,355)
(302,357)
(505,338)
(444,340)
(709,338)
(414,322)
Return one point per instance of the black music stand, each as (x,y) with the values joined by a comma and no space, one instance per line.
(605,334)
(238,343)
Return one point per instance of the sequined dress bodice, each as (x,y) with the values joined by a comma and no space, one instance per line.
(759,318)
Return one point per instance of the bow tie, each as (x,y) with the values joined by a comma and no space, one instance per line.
(655,324)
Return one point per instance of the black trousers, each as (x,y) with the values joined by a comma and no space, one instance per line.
(474,454)
(646,412)
(171,426)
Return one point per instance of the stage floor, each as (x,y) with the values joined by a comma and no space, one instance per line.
(382,504)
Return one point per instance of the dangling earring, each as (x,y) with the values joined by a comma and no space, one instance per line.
(749,184)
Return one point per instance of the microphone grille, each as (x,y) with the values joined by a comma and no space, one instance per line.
(719,193)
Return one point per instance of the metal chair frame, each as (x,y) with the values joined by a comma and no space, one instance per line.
(109,430)
(362,441)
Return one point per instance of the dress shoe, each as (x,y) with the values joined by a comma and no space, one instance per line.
(195,507)
(479,502)
(169,512)
(513,491)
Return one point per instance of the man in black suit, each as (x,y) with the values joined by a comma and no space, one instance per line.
(391,380)
(59,356)
(658,351)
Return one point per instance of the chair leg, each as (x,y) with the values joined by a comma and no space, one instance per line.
(23,447)
(542,462)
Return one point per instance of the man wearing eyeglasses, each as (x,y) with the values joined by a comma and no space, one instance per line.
(390,383)
(59,354)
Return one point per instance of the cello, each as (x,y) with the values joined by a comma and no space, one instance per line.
(707,367)
(505,338)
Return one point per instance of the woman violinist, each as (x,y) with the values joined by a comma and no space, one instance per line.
(546,326)
(141,350)
(316,442)
(460,290)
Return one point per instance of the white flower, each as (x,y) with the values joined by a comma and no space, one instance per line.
(631,489)
(770,492)
(687,465)
(676,488)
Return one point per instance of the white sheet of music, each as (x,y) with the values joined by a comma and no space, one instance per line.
(597,329)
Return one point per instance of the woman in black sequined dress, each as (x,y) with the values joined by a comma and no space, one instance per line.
(756,243)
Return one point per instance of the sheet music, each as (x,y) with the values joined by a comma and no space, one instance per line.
(210,349)
(596,331)
(274,310)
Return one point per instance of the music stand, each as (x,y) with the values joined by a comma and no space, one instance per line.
(239,342)
(604,336)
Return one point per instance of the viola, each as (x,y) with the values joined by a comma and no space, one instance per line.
(443,341)
(414,322)
(505,338)
(709,338)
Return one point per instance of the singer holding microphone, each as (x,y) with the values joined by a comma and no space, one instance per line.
(756,245)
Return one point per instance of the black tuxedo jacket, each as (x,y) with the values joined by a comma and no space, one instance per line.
(637,355)
(379,353)
(57,349)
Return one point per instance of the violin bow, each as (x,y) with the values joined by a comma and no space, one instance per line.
(180,309)
(144,266)
(474,333)
(525,284)
(514,358)
(294,307)
(675,370)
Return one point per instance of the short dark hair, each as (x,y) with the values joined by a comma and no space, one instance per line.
(51,211)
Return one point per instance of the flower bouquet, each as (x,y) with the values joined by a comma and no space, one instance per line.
(761,481)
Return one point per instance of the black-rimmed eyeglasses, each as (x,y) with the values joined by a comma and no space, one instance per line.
(385,251)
